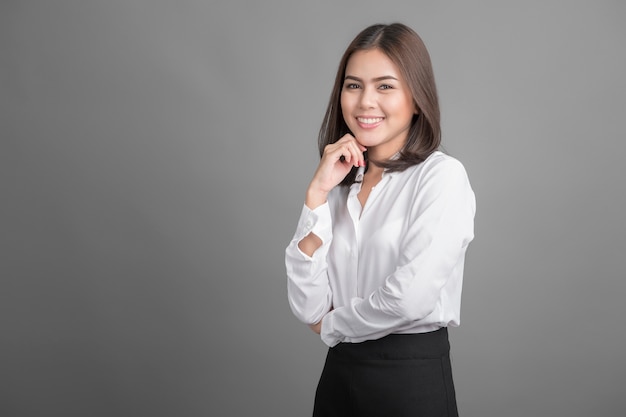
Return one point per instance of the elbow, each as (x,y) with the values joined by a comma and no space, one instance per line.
(306,316)
(307,310)
(299,312)
(410,309)
(410,312)
(406,304)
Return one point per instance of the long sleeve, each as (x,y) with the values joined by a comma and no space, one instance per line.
(308,289)
(426,283)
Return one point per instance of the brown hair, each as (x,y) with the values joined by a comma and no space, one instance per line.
(407,51)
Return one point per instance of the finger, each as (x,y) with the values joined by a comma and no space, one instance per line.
(336,151)
(356,155)
(350,150)
(358,159)
(349,137)
(345,150)
(360,148)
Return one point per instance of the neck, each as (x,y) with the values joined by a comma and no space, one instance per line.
(386,151)
(374,171)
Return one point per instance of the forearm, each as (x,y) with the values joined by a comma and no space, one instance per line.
(310,244)
(314,198)
(308,286)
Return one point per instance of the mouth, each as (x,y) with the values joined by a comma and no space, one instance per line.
(369,122)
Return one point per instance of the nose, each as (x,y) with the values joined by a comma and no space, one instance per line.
(368,98)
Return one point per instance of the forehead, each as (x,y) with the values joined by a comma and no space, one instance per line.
(371,63)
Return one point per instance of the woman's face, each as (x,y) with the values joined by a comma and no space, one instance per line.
(376,103)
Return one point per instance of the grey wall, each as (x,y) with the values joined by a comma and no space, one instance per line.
(153,161)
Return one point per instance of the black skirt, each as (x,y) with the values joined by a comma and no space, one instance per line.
(398,375)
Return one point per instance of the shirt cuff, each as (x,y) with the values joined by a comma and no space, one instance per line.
(329,336)
(318,222)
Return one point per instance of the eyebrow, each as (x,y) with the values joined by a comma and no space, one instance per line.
(384,77)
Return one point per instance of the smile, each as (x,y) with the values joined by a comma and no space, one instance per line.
(369,120)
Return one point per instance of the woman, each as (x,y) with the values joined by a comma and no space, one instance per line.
(376,263)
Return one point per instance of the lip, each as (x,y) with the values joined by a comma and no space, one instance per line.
(369,122)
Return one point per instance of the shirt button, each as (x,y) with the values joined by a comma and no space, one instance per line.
(309,224)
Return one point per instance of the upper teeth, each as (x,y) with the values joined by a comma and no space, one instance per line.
(370,120)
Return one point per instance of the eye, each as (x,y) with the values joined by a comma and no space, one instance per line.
(385,87)
(351,86)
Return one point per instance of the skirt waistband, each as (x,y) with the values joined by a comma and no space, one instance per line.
(433,344)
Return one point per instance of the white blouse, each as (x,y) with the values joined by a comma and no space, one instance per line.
(393,266)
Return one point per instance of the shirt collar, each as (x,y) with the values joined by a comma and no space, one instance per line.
(359,174)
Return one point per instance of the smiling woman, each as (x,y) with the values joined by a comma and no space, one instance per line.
(377,104)
(376,263)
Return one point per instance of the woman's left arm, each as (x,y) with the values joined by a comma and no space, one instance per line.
(433,249)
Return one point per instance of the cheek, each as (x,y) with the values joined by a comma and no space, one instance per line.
(346,108)
(405,109)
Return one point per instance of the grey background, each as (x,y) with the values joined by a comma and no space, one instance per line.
(153,161)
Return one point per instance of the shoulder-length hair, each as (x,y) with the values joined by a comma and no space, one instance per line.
(407,51)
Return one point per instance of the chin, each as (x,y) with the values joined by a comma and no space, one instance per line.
(368,140)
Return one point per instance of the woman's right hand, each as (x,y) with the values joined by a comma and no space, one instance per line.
(332,168)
